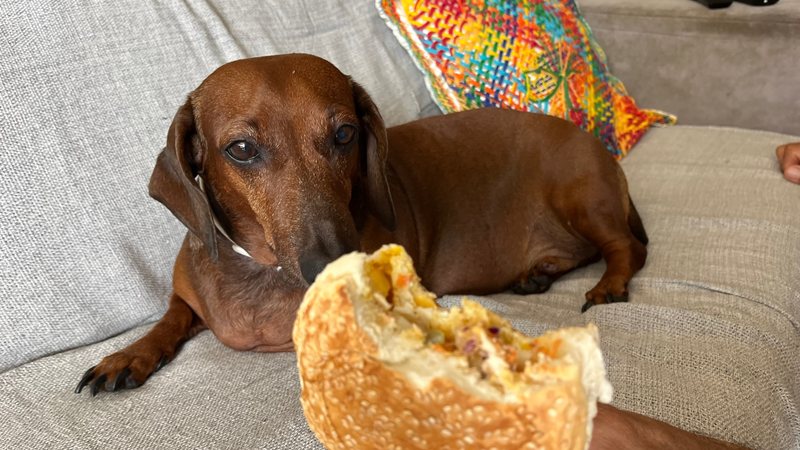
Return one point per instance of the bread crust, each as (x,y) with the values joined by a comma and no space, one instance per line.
(353,400)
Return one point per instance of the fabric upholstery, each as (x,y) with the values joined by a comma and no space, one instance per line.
(735,66)
(708,341)
(537,56)
(87,93)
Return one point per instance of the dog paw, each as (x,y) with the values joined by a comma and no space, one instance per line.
(532,285)
(122,370)
(607,291)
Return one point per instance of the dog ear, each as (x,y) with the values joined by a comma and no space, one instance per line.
(374,151)
(173,180)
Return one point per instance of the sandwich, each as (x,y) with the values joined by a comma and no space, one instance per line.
(383,366)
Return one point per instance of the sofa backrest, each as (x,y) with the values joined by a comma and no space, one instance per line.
(736,66)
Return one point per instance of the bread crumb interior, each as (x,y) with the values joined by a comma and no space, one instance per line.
(477,342)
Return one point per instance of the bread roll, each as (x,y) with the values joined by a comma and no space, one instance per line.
(382,366)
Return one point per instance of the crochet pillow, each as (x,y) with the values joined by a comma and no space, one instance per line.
(530,55)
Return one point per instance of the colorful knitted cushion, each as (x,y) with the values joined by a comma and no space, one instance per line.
(531,55)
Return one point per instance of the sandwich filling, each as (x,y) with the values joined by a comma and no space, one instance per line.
(475,348)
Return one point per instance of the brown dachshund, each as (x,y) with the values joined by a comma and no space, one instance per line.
(278,165)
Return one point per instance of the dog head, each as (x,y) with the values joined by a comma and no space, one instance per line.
(286,152)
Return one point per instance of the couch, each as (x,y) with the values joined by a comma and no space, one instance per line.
(709,342)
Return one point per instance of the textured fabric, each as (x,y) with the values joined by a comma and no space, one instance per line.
(87,93)
(536,55)
(737,66)
(209,397)
(709,341)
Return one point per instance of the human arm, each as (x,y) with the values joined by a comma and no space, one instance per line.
(616,429)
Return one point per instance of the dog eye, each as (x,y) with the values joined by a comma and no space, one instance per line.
(242,151)
(345,134)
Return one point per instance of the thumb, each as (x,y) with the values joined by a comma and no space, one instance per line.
(792,173)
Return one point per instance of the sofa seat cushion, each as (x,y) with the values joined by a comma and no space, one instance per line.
(708,341)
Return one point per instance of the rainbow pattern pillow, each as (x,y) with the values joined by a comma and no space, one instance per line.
(530,55)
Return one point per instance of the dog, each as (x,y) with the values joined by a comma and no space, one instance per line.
(278,165)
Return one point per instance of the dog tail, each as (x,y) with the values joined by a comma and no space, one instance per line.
(635,222)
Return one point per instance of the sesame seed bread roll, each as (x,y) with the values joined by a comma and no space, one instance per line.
(382,366)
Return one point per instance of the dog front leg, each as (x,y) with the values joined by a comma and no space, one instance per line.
(132,366)
(624,257)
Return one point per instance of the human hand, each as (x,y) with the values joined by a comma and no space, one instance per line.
(616,429)
(789,159)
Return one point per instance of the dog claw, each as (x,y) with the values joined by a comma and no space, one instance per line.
(609,299)
(616,298)
(163,362)
(99,381)
(120,378)
(130,383)
(85,379)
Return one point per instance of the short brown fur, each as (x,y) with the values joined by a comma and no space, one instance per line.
(483,200)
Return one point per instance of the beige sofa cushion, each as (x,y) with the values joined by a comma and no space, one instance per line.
(709,341)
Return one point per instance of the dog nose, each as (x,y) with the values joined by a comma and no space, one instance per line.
(315,258)
(312,265)
(326,241)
